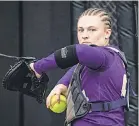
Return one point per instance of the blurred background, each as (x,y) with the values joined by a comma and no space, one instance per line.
(38,28)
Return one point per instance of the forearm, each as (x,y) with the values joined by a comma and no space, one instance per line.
(45,64)
(65,80)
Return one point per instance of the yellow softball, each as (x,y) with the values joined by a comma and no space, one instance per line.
(58,107)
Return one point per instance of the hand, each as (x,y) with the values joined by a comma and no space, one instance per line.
(57,90)
(32,67)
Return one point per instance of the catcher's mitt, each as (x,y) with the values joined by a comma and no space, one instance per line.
(21,78)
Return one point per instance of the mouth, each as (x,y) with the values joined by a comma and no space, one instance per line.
(86,42)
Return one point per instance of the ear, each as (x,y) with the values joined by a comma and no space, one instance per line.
(108,33)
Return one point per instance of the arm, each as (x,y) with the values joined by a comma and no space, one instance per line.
(93,57)
(67,77)
(61,87)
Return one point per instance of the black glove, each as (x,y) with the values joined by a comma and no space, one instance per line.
(21,78)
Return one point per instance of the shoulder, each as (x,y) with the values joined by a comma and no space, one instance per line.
(112,48)
(111,55)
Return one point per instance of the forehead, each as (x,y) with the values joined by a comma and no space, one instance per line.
(87,21)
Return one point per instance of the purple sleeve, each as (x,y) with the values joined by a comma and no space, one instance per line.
(45,64)
(67,77)
(93,57)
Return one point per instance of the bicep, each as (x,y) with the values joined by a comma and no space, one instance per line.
(94,57)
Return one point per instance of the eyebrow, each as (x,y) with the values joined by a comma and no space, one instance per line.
(88,27)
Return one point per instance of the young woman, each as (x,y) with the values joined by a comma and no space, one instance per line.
(103,77)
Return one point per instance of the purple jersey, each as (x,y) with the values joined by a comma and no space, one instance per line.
(101,80)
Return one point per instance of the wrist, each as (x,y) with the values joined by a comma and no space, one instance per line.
(62,87)
(36,73)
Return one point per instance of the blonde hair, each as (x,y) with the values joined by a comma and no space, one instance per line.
(105,17)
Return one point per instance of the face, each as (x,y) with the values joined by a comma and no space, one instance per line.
(91,30)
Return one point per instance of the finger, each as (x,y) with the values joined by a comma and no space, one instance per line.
(48,100)
(58,98)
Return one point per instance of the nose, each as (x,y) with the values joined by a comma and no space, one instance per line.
(85,35)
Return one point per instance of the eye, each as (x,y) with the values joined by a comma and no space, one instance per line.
(80,30)
(91,29)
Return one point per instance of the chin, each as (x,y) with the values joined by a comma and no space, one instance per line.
(87,43)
